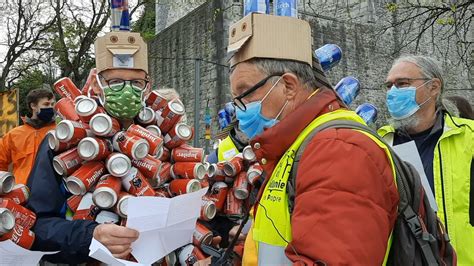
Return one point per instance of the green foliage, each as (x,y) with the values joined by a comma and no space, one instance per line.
(31,80)
(391,7)
(146,23)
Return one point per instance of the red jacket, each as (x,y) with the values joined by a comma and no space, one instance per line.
(346,197)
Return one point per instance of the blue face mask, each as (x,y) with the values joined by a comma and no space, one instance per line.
(401,103)
(251,121)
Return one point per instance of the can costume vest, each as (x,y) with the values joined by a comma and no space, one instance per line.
(452,163)
(273,235)
(227,150)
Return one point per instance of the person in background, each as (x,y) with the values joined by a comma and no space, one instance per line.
(462,106)
(445,144)
(20,145)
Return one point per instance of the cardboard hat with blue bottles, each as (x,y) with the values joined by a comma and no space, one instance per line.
(266,36)
(121,49)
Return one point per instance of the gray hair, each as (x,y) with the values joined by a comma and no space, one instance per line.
(304,72)
(429,67)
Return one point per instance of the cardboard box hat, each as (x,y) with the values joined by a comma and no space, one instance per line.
(266,36)
(121,49)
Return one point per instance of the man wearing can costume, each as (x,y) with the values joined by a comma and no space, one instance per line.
(121,61)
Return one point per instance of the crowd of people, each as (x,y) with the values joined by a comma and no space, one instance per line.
(344,206)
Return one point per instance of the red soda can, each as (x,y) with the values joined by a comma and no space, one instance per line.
(165,155)
(219,174)
(85,177)
(154,141)
(67,162)
(178,135)
(219,191)
(73,202)
(106,192)
(164,176)
(20,194)
(156,101)
(188,170)
(65,109)
(208,209)
(254,172)
(121,206)
(23,216)
(20,235)
(202,235)
(133,146)
(163,191)
(234,166)
(118,164)
(86,108)
(183,186)
(248,154)
(234,208)
(72,131)
(186,153)
(94,149)
(7,182)
(170,115)
(149,166)
(54,143)
(241,186)
(8,221)
(66,88)
(104,125)
(146,116)
(155,130)
(107,217)
(91,82)
(86,210)
(136,184)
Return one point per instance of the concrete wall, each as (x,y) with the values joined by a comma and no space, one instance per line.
(351,24)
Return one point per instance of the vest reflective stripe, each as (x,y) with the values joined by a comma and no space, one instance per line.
(452,160)
(226,150)
(274,201)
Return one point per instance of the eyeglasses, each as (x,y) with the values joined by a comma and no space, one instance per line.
(401,82)
(117,84)
(238,100)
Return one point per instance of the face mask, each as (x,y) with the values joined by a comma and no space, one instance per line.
(401,103)
(251,121)
(122,103)
(46,114)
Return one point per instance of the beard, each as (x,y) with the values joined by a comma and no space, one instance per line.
(405,124)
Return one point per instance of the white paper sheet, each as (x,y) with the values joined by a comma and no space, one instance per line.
(12,254)
(408,152)
(101,253)
(164,224)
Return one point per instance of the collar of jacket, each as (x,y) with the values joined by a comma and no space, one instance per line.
(273,142)
(36,123)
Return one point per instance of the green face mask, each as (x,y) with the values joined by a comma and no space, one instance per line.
(122,103)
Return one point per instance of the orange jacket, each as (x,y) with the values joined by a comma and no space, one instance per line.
(19,146)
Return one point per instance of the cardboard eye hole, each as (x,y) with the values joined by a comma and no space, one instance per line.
(113,39)
(244,26)
(131,39)
(233,32)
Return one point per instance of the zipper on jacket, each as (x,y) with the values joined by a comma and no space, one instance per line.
(442,189)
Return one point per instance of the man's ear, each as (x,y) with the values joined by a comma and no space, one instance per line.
(292,85)
(435,87)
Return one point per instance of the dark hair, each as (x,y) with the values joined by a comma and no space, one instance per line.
(37,94)
(463,106)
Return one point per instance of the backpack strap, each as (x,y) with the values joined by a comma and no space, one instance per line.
(403,170)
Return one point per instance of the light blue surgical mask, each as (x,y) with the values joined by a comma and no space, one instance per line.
(401,102)
(251,121)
